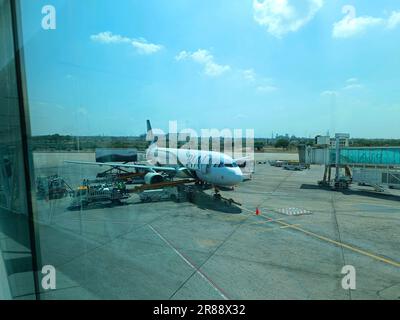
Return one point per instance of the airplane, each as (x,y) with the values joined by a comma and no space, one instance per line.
(206,167)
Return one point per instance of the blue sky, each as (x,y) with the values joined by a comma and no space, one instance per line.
(298,67)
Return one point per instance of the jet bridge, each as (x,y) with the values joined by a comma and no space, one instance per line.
(372,157)
(375,166)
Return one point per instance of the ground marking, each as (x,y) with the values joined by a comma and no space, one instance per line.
(190,264)
(290,226)
(343,245)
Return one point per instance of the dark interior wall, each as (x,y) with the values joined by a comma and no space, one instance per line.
(15,243)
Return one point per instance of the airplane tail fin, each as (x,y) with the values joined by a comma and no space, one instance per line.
(150,135)
(149,126)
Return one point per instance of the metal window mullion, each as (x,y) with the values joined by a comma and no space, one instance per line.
(24,125)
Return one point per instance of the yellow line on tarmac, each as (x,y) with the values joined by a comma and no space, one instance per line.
(337,243)
(265,222)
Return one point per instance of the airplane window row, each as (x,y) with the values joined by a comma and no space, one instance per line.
(226,165)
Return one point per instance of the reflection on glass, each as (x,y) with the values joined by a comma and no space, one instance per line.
(16,277)
(264,224)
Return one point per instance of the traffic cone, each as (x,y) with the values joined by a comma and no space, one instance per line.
(257,211)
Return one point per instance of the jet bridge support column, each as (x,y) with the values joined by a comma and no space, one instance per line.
(339,137)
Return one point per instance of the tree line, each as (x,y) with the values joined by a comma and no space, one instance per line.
(58,142)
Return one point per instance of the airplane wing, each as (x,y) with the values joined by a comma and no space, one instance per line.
(122,165)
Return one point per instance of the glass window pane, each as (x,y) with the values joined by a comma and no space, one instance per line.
(135,107)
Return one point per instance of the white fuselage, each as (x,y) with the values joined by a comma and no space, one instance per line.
(209,166)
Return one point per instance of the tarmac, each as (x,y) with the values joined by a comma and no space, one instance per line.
(294,249)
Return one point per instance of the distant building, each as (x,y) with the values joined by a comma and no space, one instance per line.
(343,142)
(324,141)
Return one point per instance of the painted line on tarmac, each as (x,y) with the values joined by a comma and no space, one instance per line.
(291,226)
(265,222)
(201,274)
(337,243)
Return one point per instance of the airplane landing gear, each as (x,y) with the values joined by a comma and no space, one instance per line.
(217,195)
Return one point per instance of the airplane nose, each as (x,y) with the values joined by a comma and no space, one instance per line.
(231,177)
(237,176)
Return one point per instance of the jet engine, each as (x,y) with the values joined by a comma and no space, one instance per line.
(153,177)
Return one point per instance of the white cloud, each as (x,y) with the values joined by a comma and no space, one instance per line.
(107,37)
(350,84)
(394,20)
(352,80)
(261,84)
(212,69)
(329,93)
(205,58)
(249,75)
(353,83)
(182,56)
(281,17)
(353,86)
(351,25)
(267,88)
(141,45)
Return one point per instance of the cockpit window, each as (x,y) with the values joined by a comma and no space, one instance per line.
(228,165)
